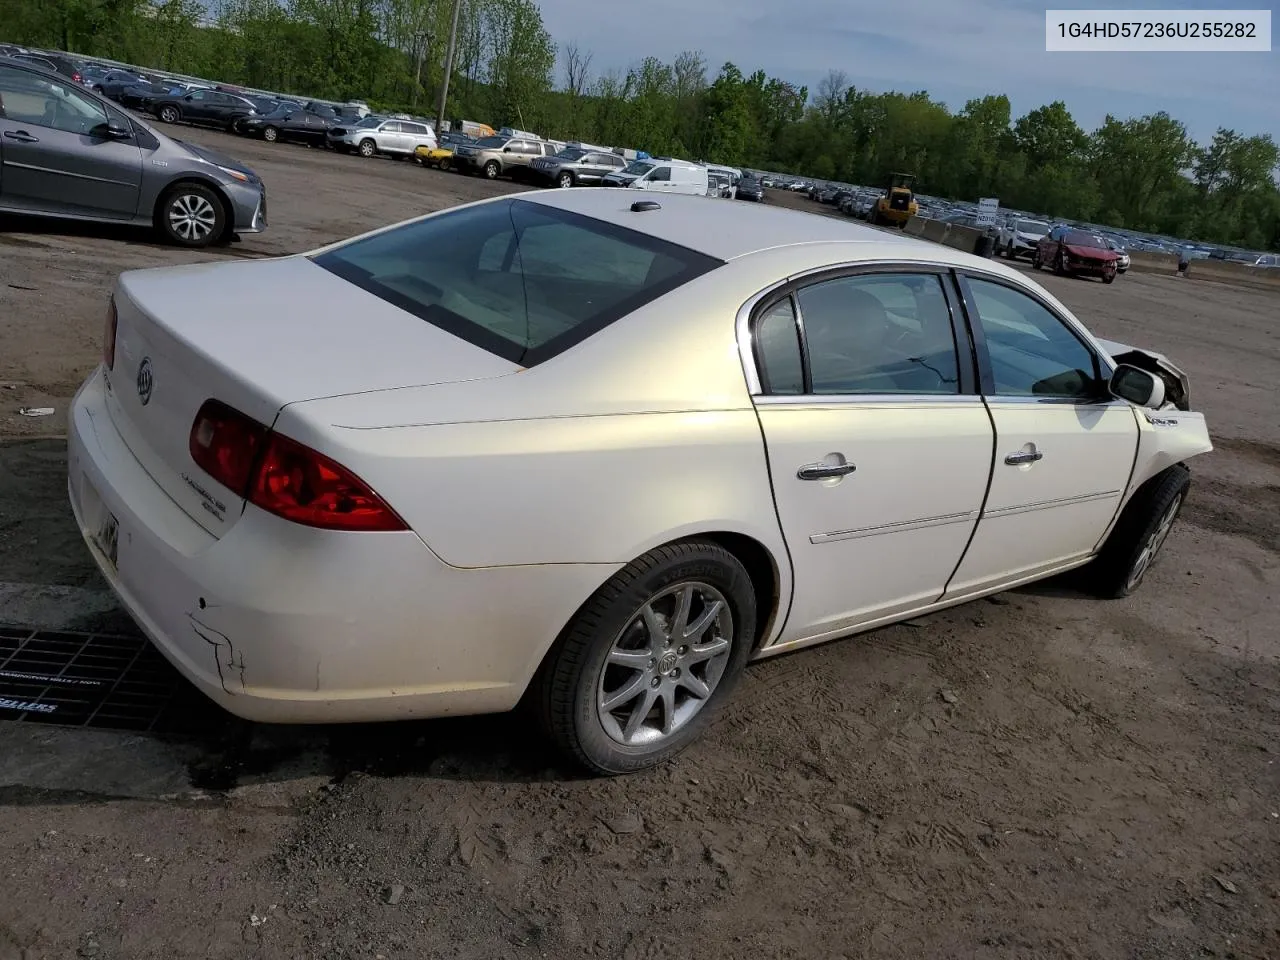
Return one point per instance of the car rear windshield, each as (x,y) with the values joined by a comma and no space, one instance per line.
(521,280)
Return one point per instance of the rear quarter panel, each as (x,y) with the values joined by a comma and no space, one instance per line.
(590,489)
(641,434)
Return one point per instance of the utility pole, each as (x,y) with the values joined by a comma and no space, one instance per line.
(448,66)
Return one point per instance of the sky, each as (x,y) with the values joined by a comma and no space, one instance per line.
(954,49)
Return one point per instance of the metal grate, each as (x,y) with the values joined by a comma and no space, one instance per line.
(98,680)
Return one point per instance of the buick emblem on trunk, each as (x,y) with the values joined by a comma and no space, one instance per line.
(144,380)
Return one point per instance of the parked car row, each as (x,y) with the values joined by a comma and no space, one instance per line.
(512,153)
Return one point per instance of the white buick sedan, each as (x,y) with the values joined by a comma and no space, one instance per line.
(594,454)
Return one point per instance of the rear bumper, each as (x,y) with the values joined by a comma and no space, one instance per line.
(282,623)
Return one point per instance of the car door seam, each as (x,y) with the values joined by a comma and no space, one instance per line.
(982,362)
(780,619)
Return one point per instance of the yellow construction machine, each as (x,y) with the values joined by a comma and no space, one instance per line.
(898,204)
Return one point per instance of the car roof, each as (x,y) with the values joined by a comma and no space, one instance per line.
(718,228)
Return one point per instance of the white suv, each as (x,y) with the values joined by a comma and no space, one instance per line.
(374,135)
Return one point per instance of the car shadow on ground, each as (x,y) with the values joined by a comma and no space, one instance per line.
(32,231)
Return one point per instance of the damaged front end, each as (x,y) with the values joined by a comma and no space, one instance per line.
(1177,388)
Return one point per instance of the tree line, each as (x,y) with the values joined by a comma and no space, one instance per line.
(1143,173)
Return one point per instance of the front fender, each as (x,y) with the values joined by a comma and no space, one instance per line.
(1166,437)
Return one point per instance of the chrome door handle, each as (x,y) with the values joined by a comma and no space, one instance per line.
(825,471)
(1014,459)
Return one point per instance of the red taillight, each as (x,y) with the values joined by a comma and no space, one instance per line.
(225,444)
(295,482)
(109,335)
(283,476)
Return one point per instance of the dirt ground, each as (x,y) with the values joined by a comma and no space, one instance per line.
(1036,775)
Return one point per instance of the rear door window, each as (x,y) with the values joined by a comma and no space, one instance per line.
(522,280)
(879,334)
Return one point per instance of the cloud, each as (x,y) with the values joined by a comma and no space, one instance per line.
(956,51)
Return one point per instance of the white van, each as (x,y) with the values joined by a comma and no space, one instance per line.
(662,176)
(734,175)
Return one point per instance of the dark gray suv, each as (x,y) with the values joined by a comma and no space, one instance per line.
(66,152)
(576,167)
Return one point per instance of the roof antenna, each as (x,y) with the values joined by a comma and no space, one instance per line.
(640,206)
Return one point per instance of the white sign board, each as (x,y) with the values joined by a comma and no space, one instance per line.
(987,209)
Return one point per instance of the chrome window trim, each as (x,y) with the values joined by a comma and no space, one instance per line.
(1001,399)
(742,321)
(869,399)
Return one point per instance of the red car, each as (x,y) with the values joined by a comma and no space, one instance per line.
(1072,251)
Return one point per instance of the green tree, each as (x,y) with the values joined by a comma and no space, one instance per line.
(731,130)
(521,58)
(1137,163)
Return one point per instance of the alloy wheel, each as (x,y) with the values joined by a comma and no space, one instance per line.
(664,664)
(192,217)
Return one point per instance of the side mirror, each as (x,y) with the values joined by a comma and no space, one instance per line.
(506,149)
(111,130)
(1137,386)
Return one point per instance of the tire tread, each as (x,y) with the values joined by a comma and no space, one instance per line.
(1109,571)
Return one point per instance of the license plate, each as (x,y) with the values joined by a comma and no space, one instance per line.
(108,538)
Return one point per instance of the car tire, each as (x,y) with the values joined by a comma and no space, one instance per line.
(191,215)
(565,180)
(1109,277)
(609,642)
(492,170)
(270,134)
(367,148)
(169,113)
(1138,535)
(444,166)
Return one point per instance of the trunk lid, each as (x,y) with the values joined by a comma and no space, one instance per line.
(257,335)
